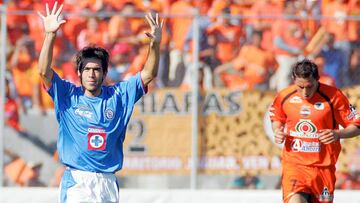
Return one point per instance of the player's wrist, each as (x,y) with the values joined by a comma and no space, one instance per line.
(155,44)
(337,134)
(50,33)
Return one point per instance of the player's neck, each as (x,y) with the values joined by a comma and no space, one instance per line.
(94,93)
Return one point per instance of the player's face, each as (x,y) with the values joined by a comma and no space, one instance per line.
(306,87)
(92,77)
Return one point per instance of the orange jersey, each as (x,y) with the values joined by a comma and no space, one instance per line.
(327,109)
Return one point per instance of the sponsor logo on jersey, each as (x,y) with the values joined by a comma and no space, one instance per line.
(319,106)
(295,100)
(325,195)
(304,128)
(353,113)
(298,145)
(305,111)
(109,114)
(96,130)
(84,111)
(96,139)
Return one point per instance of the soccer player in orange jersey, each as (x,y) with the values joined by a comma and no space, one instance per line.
(307,116)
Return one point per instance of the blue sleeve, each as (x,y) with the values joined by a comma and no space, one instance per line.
(60,91)
(133,89)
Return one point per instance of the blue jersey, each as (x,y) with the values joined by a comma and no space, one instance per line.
(92,129)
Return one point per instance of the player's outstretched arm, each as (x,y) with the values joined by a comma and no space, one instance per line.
(328,136)
(152,63)
(51,23)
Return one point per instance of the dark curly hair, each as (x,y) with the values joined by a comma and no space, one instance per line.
(305,69)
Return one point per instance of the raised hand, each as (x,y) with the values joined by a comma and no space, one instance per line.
(155,28)
(51,20)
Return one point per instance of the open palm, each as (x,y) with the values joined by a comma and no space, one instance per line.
(51,20)
(155,28)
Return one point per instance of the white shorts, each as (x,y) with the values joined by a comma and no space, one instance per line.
(88,187)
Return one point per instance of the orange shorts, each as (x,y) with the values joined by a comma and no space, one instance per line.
(316,182)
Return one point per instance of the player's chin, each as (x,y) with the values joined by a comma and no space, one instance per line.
(92,86)
(92,89)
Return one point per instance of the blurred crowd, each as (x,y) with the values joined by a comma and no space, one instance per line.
(244,44)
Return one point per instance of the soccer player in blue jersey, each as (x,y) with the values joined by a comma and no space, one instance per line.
(93,117)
